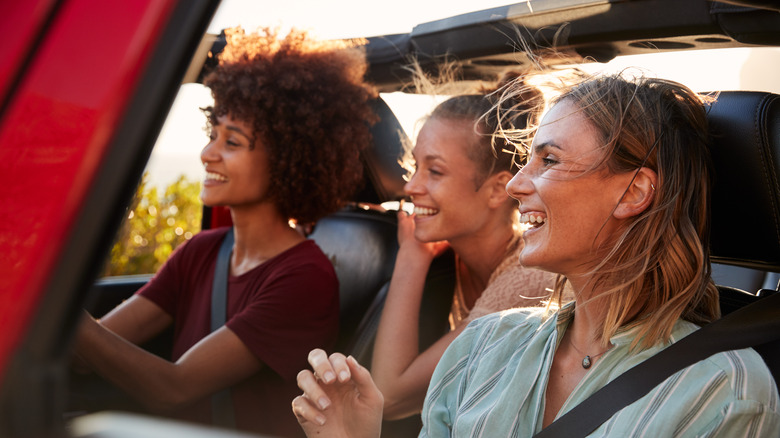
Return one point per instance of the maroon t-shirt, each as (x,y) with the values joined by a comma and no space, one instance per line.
(280,310)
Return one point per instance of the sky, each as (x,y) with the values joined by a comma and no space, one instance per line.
(182,137)
(176,151)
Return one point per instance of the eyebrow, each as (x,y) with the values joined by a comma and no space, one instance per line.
(428,157)
(237,130)
(542,146)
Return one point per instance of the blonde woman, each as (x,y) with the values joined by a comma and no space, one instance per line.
(460,202)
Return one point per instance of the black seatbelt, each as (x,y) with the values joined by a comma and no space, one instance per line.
(222,414)
(751,326)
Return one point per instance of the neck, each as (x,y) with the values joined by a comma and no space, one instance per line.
(481,254)
(260,234)
(585,329)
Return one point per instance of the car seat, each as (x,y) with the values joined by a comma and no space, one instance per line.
(745,149)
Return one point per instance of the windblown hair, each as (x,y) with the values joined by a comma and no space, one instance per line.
(657,269)
(308,105)
(490,153)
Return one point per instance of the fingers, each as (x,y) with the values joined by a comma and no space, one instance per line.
(329,368)
(306,412)
(326,370)
(363,382)
(318,360)
(312,389)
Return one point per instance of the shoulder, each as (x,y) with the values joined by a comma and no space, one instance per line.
(744,372)
(736,375)
(497,330)
(206,239)
(193,253)
(520,319)
(306,256)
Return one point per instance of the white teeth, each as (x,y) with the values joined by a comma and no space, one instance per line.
(532,219)
(422,211)
(215,176)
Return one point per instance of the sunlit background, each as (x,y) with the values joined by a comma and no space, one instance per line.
(177,149)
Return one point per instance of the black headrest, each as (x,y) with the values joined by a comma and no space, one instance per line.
(384,174)
(745,138)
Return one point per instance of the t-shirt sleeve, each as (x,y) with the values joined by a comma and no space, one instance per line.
(190,266)
(296,312)
(163,288)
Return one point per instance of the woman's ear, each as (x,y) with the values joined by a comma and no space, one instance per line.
(639,195)
(497,185)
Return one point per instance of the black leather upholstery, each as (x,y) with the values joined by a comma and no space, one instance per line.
(745,129)
(384,174)
(745,147)
(362,246)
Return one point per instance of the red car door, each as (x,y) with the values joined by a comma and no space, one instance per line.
(84,87)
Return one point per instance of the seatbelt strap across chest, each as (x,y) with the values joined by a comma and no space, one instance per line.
(754,325)
(222,413)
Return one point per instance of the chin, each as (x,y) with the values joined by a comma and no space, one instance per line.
(529,261)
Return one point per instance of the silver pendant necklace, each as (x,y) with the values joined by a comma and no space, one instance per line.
(587,361)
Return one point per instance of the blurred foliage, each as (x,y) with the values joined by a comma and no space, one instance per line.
(154,226)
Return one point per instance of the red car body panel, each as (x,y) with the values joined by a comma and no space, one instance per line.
(56,125)
(22,21)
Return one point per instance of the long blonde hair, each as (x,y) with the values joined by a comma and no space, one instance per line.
(657,269)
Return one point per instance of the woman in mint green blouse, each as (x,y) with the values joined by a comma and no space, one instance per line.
(615,191)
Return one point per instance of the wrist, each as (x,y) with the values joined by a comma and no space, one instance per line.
(414,252)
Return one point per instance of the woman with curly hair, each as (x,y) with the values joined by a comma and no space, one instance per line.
(616,190)
(289,121)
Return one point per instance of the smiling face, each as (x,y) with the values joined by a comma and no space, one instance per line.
(447,202)
(236,165)
(567,202)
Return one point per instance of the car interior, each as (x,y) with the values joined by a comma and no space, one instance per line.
(360,240)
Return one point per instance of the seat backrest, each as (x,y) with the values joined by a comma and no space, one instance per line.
(745,149)
(745,128)
(362,246)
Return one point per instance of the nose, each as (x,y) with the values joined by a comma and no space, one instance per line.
(414,185)
(209,152)
(520,185)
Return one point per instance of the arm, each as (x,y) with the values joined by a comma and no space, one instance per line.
(137,320)
(216,362)
(349,405)
(401,372)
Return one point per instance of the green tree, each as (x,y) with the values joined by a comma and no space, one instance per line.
(154,226)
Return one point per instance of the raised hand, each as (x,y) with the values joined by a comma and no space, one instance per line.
(339,398)
(413,247)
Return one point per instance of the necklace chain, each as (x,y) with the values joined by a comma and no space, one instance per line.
(587,361)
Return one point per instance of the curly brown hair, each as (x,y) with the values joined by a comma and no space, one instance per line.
(308,105)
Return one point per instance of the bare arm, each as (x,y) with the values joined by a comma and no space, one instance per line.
(214,363)
(137,320)
(400,370)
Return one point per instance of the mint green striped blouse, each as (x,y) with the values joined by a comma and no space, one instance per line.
(491,383)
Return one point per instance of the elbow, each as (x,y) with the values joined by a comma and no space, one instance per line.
(169,398)
(396,407)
